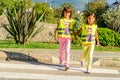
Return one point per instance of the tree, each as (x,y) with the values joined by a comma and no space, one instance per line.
(67,5)
(98,7)
(103,2)
(22,16)
(112,19)
(1,7)
(46,9)
(79,20)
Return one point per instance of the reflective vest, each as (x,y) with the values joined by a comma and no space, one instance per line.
(88,33)
(65,28)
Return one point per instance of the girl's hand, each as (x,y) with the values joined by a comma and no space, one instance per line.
(97,43)
(75,38)
(75,34)
(56,37)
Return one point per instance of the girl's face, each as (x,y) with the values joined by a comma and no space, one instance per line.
(91,20)
(67,14)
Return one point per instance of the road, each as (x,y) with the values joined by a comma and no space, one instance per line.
(18,70)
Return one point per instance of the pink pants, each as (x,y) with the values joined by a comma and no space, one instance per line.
(64,51)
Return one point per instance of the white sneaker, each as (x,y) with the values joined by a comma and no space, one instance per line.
(87,71)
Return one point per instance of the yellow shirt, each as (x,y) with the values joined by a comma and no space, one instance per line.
(88,33)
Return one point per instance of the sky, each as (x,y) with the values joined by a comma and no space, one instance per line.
(112,1)
(76,3)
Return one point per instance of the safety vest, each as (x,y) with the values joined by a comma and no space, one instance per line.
(88,33)
(65,28)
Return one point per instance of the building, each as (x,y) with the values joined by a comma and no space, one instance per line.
(115,5)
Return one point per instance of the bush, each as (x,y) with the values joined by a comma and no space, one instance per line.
(108,37)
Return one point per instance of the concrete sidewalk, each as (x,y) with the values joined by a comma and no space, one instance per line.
(34,71)
(51,56)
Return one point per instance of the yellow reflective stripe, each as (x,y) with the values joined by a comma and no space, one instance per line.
(65,36)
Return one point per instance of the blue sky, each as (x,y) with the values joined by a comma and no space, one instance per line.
(112,1)
(79,4)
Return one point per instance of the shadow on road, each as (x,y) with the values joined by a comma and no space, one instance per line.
(19,56)
(25,57)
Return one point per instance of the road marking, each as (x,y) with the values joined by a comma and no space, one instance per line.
(51,77)
(50,67)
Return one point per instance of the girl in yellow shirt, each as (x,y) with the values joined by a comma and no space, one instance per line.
(89,39)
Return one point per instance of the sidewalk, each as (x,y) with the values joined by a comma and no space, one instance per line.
(51,56)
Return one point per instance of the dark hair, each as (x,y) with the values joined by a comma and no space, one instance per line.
(90,14)
(66,9)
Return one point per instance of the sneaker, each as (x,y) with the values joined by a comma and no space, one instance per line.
(66,68)
(87,71)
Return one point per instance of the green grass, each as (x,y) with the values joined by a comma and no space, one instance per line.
(116,59)
(98,48)
(11,44)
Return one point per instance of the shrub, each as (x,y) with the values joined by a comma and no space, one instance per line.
(108,37)
(22,18)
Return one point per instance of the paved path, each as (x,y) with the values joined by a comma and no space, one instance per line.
(47,54)
(36,71)
(51,56)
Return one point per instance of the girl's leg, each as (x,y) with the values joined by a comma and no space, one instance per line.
(61,50)
(90,56)
(84,53)
(67,52)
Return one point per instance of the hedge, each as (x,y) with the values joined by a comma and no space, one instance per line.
(108,37)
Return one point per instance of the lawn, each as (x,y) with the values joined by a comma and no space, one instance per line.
(11,44)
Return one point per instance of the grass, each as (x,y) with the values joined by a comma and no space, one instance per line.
(116,59)
(11,44)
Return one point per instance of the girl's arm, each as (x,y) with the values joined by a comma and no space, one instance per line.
(56,31)
(96,36)
(75,34)
(78,32)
